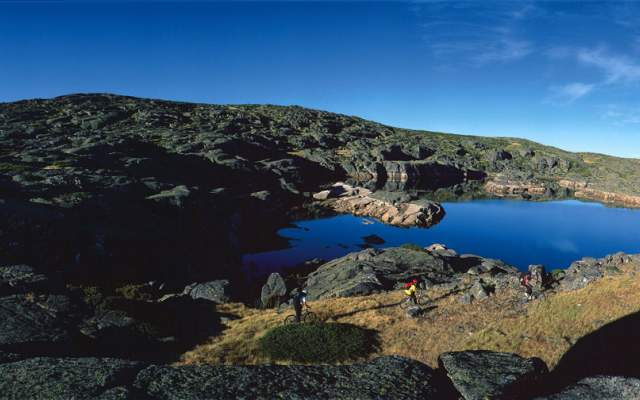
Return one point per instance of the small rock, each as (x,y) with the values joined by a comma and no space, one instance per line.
(373,239)
(466,298)
(414,312)
(175,197)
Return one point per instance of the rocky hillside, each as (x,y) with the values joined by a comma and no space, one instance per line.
(101,188)
(122,223)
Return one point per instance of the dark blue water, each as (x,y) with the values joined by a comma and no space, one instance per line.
(518,232)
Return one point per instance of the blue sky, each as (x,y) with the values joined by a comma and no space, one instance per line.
(562,73)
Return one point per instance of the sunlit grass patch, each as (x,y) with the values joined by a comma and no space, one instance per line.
(545,328)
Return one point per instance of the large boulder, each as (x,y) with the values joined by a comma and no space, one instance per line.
(35,324)
(600,388)
(477,291)
(214,291)
(273,291)
(383,378)
(480,375)
(374,270)
(67,378)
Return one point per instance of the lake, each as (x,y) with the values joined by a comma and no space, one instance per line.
(552,233)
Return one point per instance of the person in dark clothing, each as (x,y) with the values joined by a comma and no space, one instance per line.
(299,301)
(525,280)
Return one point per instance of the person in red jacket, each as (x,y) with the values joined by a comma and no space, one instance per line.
(525,280)
(410,290)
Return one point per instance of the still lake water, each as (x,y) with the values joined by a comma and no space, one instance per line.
(553,233)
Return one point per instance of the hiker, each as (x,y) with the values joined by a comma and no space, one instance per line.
(410,289)
(525,280)
(300,300)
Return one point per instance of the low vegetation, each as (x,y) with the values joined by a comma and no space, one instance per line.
(545,328)
(317,343)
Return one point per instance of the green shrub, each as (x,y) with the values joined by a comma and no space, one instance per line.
(318,343)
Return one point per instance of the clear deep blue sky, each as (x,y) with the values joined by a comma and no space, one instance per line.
(562,73)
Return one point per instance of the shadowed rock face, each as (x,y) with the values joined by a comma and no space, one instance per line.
(67,378)
(385,377)
(598,388)
(35,325)
(479,375)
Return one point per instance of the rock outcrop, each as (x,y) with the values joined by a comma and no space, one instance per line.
(468,375)
(582,272)
(343,198)
(600,388)
(35,324)
(480,375)
(506,188)
(374,270)
(217,291)
(67,378)
(582,190)
(22,279)
(382,378)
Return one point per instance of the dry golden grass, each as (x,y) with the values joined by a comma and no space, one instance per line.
(591,158)
(514,146)
(544,328)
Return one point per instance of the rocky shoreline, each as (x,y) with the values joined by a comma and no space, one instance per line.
(346,199)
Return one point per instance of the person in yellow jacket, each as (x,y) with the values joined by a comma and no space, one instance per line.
(410,289)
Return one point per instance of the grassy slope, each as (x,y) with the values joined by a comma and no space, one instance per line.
(544,328)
